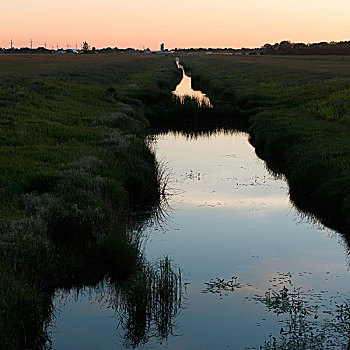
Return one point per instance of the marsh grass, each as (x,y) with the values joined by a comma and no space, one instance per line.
(150,302)
(73,163)
(190,102)
(189,115)
(298,113)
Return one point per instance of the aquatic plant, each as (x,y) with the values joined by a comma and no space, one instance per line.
(306,322)
(222,286)
(150,302)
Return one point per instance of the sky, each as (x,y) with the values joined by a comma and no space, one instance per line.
(180,23)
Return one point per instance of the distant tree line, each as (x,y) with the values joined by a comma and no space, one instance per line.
(322,48)
(26,50)
(222,51)
(283,48)
(85,49)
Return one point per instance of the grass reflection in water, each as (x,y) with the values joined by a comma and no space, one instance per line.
(146,304)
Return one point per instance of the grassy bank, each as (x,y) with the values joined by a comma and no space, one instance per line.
(301,108)
(73,163)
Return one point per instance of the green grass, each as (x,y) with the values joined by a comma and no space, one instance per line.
(73,163)
(300,121)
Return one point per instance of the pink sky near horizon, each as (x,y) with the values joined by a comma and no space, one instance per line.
(180,23)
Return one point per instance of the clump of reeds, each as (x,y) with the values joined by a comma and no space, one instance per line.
(149,302)
(190,102)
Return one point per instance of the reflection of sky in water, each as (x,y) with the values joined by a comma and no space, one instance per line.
(233,218)
(184,89)
(85,325)
(229,218)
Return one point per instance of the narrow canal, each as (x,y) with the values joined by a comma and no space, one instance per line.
(253,266)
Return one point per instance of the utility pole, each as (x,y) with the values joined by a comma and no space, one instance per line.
(11,42)
(57,47)
(45,45)
(31,44)
(76,46)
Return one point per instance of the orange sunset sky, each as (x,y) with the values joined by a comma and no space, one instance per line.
(180,23)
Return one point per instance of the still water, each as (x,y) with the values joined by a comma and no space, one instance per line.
(184,89)
(253,267)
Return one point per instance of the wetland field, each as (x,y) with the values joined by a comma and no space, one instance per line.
(301,108)
(73,165)
(197,204)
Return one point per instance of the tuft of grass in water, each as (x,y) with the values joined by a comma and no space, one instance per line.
(149,303)
(146,301)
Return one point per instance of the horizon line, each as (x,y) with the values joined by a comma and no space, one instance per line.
(72,47)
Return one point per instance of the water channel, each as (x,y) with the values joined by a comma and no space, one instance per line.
(253,266)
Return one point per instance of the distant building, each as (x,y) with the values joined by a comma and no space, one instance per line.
(162,47)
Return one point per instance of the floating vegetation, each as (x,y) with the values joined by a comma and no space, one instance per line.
(309,319)
(193,175)
(222,287)
(307,326)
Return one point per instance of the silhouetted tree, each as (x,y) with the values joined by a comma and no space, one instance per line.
(86,47)
(269,49)
(285,48)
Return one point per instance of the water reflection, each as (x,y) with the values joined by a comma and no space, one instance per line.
(184,90)
(238,236)
(255,264)
(141,309)
(310,319)
(233,230)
